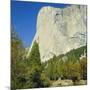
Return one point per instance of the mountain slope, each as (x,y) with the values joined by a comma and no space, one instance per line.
(60,30)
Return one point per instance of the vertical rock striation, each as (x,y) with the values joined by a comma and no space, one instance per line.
(60,29)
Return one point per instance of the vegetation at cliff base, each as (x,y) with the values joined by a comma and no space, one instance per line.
(26,72)
(32,73)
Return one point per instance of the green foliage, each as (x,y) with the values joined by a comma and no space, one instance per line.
(37,78)
(44,80)
(35,65)
(35,55)
(73,70)
(83,65)
(76,53)
(27,73)
(17,54)
(33,78)
(31,73)
(67,66)
(51,69)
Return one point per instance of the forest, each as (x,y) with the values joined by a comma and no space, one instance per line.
(32,73)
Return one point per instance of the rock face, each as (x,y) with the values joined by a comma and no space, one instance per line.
(60,29)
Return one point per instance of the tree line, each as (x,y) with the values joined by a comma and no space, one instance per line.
(31,73)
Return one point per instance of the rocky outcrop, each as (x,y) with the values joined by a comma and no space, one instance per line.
(60,29)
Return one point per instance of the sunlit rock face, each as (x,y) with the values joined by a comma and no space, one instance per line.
(60,29)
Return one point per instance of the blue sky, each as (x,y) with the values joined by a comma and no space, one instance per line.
(24,18)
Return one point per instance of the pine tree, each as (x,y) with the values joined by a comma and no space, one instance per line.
(35,54)
(35,67)
(17,54)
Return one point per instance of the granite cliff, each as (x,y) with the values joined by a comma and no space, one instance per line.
(60,30)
